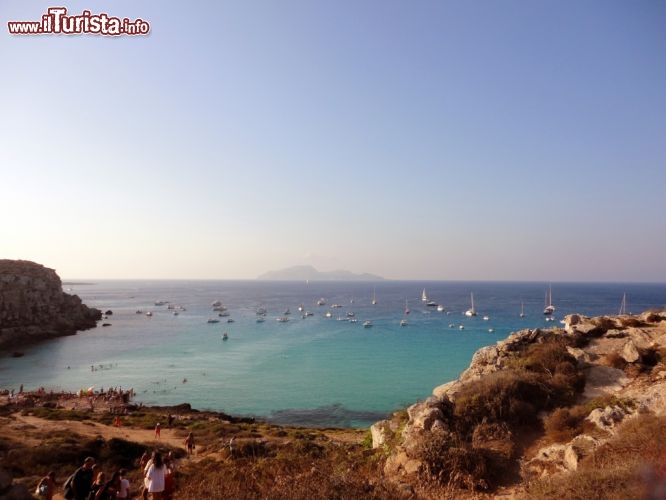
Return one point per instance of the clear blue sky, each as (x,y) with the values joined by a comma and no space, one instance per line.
(510,140)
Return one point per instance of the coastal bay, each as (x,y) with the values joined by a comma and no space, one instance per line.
(315,371)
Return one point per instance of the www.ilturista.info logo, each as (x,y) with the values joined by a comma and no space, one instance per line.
(57,22)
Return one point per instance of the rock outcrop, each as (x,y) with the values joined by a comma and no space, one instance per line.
(33,305)
(621,357)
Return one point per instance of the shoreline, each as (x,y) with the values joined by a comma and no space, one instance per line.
(111,402)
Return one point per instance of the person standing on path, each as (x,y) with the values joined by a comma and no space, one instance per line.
(155,476)
(157,430)
(124,488)
(189,442)
(47,485)
(82,480)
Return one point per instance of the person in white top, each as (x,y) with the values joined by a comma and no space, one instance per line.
(155,471)
(124,490)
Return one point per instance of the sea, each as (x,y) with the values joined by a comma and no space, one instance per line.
(312,371)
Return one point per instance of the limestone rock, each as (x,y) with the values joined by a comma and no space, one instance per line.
(580,355)
(570,322)
(446,390)
(381,431)
(399,464)
(629,353)
(549,460)
(598,341)
(570,458)
(602,380)
(34,307)
(652,317)
(586,329)
(607,418)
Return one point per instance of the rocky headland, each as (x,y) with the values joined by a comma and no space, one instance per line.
(34,307)
(538,405)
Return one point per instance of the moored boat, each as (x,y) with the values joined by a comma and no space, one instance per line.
(550,308)
(471,311)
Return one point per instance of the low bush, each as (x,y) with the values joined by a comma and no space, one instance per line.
(614,360)
(321,472)
(564,424)
(628,466)
(480,451)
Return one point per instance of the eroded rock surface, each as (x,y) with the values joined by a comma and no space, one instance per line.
(33,305)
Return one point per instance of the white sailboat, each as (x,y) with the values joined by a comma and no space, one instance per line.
(374,296)
(471,311)
(522,310)
(550,308)
(424,296)
(407,311)
(623,305)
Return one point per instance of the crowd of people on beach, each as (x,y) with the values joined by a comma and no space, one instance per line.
(114,399)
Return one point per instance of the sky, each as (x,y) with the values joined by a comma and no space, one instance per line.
(427,140)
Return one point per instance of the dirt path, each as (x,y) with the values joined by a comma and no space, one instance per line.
(94,429)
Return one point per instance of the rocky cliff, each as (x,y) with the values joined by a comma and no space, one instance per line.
(534,405)
(34,307)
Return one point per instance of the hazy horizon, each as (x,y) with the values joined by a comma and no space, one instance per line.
(438,140)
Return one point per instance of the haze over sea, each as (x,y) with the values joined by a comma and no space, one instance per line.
(312,371)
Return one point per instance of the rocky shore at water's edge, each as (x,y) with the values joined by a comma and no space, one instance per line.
(34,307)
(621,359)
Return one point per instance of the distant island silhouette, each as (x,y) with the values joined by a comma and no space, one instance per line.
(301,273)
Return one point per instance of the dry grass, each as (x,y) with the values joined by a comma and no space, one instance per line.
(268,461)
(563,424)
(631,465)
(488,415)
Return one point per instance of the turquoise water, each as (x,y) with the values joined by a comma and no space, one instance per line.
(313,371)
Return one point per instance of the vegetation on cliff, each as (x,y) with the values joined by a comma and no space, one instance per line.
(538,412)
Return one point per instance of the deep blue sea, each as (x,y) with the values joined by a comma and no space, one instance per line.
(313,371)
